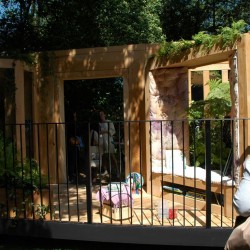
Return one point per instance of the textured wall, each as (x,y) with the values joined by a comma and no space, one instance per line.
(168,105)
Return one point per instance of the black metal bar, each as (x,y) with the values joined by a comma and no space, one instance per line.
(162,198)
(140,169)
(48,166)
(151,172)
(183,169)
(208,172)
(130,169)
(195,172)
(233,160)
(68,135)
(57,166)
(221,172)
(88,179)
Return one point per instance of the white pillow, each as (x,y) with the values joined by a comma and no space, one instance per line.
(178,157)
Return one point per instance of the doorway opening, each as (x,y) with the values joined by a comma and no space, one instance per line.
(89,95)
(84,99)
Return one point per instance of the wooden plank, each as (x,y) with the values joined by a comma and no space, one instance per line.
(216,66)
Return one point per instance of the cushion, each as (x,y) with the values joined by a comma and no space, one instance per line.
(174,159)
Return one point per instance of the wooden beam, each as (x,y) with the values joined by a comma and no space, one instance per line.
(216,66)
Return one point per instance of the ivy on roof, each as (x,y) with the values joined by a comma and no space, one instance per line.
(226,38)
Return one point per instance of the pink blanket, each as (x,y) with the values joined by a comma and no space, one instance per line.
(115,198)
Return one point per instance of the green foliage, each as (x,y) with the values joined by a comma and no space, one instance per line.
(174,49)
(226,38)
(129,22)
(24,174)
(219,150)
(29,26)
(6,156)
(41,211)
(203,38)
(19,175)
(182,19)
(220,90)
(216,106)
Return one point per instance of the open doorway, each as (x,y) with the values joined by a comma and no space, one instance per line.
(86,96)
(83,99)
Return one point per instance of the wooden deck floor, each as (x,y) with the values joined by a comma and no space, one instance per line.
(70,205)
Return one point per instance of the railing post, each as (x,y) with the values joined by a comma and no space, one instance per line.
(208,172)
(88,179)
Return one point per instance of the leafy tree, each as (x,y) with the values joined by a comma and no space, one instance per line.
(28,26)
(130,22)
(18,33)
(181,19)
(70,24)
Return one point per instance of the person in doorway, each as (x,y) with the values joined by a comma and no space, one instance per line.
(107,131)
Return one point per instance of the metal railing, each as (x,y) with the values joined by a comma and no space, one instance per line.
(43,177)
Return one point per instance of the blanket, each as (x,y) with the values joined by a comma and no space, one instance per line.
(117,198)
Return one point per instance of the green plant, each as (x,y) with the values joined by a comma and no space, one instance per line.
(24,175)
(215,107)
(217,104)
(226,37)
(14,173)
(6,156)
(20,179)
(41,211)
(204,39)
(174,49)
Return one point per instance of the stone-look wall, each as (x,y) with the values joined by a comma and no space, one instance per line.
(168,111)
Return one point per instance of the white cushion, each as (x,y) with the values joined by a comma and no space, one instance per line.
(177,161)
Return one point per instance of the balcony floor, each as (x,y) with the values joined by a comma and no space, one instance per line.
(72,201)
